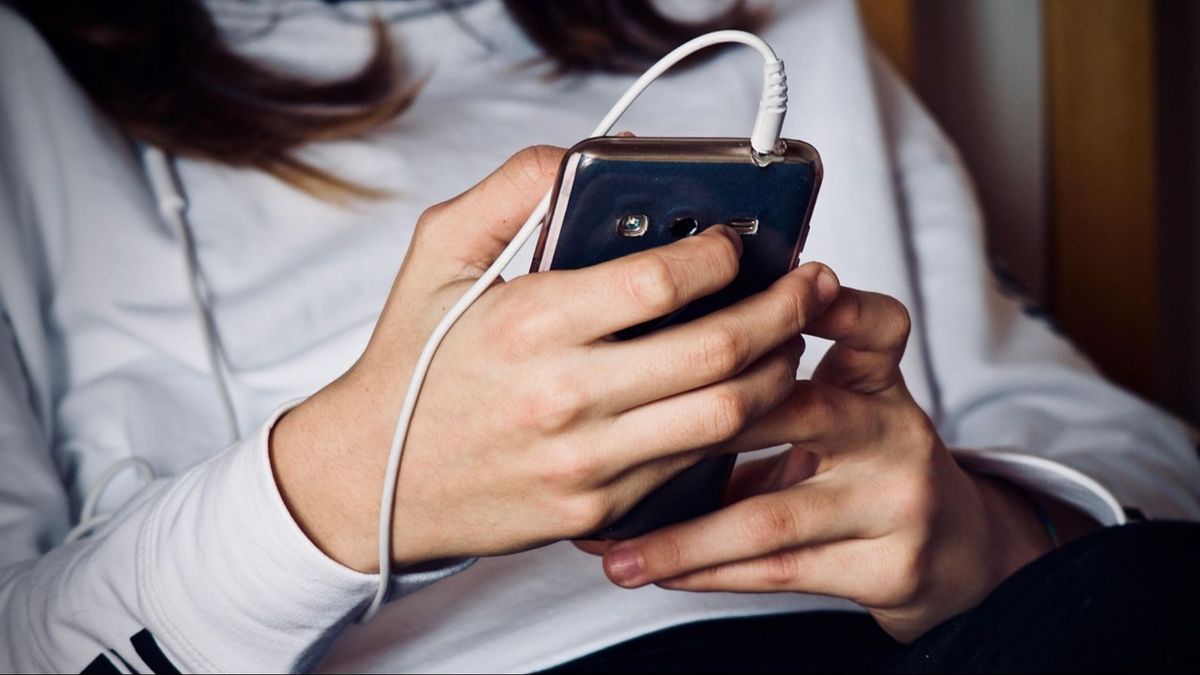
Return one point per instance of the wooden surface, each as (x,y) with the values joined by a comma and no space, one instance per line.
(1100,121)
(889,24)
(1100,79)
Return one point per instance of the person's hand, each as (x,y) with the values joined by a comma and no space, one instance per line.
(533,424)
(867,504)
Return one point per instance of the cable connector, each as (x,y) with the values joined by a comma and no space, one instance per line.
(772,108)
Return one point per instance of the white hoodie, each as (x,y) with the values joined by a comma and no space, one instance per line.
(102,356)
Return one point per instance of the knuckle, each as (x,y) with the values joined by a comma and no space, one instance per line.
(811,405)
(793,307)
(568,471)
(781,570)
(898,321)
(914,501)
(427,222)
(518,317)
(516,339)
(728,413)
(432,214)
(530,167)
(586,512)
(650,282)
(768,524)
(722,351)
(906,580)
(554,406)
(920,436)
(545,159)
(855,309)
(783,370)
(664,558)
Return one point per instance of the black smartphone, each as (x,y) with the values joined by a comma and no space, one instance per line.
(619,195)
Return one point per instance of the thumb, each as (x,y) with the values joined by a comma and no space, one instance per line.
(469,231)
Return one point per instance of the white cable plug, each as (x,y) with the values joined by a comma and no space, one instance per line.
(763,140)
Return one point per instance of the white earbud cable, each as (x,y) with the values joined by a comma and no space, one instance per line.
(172,207)
(763,140)
(88,518)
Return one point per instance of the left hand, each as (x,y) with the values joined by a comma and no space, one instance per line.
(867,504)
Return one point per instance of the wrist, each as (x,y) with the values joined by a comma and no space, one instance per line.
(317,464)
(1015,528)
(1068,522)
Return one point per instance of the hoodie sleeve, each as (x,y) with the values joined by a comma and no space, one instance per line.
(1015,397)
(203,571)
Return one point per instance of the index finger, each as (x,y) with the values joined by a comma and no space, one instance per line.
(473,228)
(597,301)
(714,347)
(870,332)
(803,515)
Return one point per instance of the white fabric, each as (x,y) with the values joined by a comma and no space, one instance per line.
(102,355)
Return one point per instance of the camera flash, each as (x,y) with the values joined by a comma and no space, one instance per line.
(633,225)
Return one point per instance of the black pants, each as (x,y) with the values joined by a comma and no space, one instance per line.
(1119,600)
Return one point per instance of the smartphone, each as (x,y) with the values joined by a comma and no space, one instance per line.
(619,195)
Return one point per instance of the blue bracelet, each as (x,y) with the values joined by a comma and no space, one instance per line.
(1047,523)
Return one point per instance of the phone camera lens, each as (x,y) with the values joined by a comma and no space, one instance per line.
(685,227)
(633,225)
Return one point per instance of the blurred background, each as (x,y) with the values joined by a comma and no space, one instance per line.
(1080,121)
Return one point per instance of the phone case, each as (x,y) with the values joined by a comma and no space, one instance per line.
(615,196)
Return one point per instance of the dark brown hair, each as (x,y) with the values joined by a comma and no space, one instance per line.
(162,71)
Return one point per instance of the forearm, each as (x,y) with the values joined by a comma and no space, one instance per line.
(209,563)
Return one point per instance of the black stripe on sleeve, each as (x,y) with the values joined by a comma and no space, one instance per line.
(128,668)
(150,653)
(1134,514)
(100,664)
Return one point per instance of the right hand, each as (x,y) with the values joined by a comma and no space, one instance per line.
(533,424)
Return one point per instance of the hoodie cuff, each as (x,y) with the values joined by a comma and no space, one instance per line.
(1045,477)
(235,583)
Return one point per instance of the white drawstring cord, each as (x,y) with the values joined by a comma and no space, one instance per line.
(763,140)
(88,520)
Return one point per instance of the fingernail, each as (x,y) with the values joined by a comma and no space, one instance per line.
(625,134)
(623,565)
(827,286)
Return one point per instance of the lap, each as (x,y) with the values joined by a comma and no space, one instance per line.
(1119,599)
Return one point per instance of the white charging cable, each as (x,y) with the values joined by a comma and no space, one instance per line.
(772,107)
